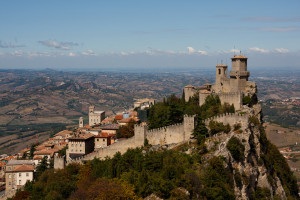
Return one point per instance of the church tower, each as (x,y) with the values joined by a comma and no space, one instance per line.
(81,122)
(239,74)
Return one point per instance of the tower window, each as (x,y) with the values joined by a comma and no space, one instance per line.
(219,71)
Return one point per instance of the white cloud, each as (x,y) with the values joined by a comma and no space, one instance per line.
(281,50)
(191,50)
(89,53)
(257,49)
(17,53)
(58,45)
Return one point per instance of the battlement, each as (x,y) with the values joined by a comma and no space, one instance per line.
(164,128)
(230,118)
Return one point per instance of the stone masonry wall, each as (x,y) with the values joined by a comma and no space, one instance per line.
(231,119)
(166,135)
(235,98)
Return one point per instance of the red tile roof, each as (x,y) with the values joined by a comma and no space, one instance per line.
(24,168)
(119,117)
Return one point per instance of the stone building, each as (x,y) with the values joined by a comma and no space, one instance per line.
(95,117)
(102,140)
(143,103)
(230,89)
(17,173)
(80,145)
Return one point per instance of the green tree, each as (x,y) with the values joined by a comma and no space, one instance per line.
(42,166)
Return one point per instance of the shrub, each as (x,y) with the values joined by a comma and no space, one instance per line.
(254,120)
(237,126)
(236,148)
(217,127)
(238,179)
(247,101)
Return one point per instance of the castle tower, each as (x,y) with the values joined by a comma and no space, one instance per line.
(188,126)
(81,122)
(221,78)
(239,74)
(139,134)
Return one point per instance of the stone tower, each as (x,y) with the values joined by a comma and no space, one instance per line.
(221,78)
(81,122)
(91,109)
(139,134)
(188,126)
(239,74)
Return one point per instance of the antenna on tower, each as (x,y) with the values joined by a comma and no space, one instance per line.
(240,52)
(233,50)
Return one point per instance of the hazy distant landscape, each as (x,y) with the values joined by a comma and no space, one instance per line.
(36,104)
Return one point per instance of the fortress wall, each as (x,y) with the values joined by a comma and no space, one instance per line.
(230,118)
(120,146)
(189,92)
(235,98)
(202,98)
(59,162)
(166,135)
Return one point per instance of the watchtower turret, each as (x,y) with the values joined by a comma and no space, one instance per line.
(221,77)
(239,74)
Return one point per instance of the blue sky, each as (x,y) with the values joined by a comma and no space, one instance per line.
(147,34)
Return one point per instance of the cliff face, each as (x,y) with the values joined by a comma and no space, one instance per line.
(256,164)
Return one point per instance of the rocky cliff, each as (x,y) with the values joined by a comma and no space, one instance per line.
(257,166)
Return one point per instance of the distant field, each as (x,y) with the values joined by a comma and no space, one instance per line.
(282,136)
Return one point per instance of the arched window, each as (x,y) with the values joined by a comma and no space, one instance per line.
(219,71)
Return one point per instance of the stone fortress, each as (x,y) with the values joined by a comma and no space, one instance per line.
(230,90)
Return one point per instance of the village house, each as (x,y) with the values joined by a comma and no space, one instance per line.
(62,136)
(126,121)
(102,140)
(110,128)
(17,173)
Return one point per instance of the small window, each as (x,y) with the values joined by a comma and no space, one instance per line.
(20,182)
(219,71)
(9,168)
(103,140)
(9,175)
(97,140)
(80,150)
(80,144)
(20,174)
(27,174)
(9,183)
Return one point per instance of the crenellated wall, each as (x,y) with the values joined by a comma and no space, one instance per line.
(230,118)
(166,135)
